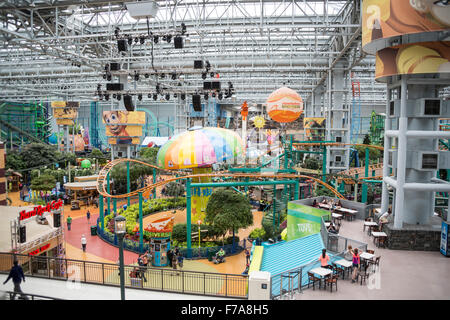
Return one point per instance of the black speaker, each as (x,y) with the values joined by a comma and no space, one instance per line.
(215,85)
(22,234)
(207,85)
(198,64)
(178,41)
(115,66)
(122,45)
(56,220)
(196,103)
(114,86)
(127,101)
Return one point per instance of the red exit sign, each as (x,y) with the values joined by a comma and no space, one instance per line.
(41,249)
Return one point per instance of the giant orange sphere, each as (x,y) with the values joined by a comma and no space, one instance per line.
(284,105)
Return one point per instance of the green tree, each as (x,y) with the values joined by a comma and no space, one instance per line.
(96,154)
(228,210)
(15,161)
(149,155)
(45,182)
(175,189)
(311,163)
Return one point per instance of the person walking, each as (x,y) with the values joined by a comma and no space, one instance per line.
(83,242)
(69,222)
(174,263)
(170,257)
(180,260)
(142,267)
(247,256)
(88,216)
(16,274)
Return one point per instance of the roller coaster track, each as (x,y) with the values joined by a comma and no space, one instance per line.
(101,180)
(336,144)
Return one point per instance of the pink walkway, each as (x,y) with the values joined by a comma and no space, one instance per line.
(95,245)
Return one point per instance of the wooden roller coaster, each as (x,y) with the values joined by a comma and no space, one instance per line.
(102,177)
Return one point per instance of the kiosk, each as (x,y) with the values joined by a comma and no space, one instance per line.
(160,232)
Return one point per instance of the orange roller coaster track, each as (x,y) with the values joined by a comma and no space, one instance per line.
(337,144)
(101,185)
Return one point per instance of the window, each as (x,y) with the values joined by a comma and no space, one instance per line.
(390,159)
(338,159)
(432,107)
(429,161)
(338,139)
(392,108)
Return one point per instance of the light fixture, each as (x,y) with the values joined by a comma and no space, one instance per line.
(136,76)
(206,96)
(149,96)
(213,94)
(167,96)
(116,32)
(175,95)
(119,96)
(114,96)
(155,39)
(183,96)
(162,76)
(136,40)
(211,74)
(220,95)
(106,97)
(155,96)
(174,76)
(142,40)
(130,40)
(157,88)
(183,28)
(140,97)
(203,75)
(146,75)
(169,38)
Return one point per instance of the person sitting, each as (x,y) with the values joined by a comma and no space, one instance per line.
(324,258)
(314,203)
(339,204)
(324,201)
(384,218)
(332,229)
(220,255)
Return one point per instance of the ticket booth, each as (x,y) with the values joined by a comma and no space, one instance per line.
(160,247)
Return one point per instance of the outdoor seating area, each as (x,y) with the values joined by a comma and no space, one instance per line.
(341,270)
(374,229)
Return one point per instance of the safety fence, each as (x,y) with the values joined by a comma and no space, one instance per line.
(196,252)
(147,278)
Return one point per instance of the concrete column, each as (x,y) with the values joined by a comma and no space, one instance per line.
(387,147)
(401,157)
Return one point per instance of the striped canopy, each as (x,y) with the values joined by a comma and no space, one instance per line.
(200,148)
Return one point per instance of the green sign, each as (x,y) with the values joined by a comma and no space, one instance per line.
(303,220)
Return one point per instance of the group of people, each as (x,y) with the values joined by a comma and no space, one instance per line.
(175,258)
(330,202)
(351,254)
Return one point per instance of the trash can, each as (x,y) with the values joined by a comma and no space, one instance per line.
(93,230)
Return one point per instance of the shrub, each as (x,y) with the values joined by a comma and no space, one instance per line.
(257,233)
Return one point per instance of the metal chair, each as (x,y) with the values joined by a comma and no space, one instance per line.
(313,279)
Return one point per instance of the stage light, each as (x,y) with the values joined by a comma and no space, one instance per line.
(167,96)
(142,40)
(183,28)
(183,96)
(136,40)
(175,95)
(174,76)
(155,96)
(116,32)
(108,76)
(130,40)
(203,75)
(119,96)
(220,96)
(146,75)
(107,67)
(114,96)
(163,75)
(157,88)
(213,94)
(211,74)
(106,97)
(206,96)
(104,76)
(169,38)
(136,76)
(140,97)
(155,39)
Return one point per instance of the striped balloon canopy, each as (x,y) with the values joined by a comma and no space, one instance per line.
(200,148)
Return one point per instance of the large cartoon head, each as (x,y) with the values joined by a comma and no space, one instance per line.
(114,122)
(439,9)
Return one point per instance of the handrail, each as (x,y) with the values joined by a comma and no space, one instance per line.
(32,295)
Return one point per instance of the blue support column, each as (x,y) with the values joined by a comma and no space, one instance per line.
(100,206)
(109,192)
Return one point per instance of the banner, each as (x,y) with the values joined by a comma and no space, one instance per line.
(123,127)
(162,225)
(200,196)
(65,112)
(303,220)
(384,19)
(314,128)
(418,58)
